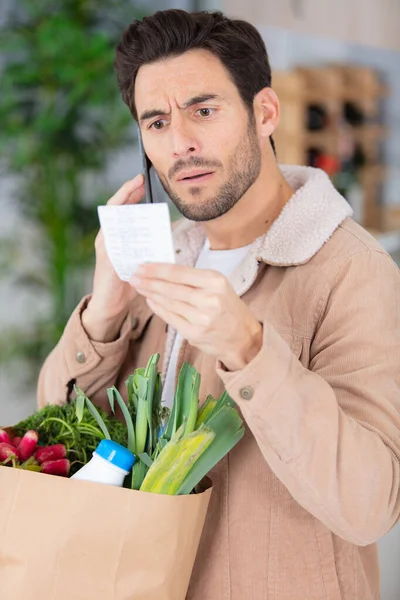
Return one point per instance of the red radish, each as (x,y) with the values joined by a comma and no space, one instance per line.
(15,441)
(6,450)
(27,445)
(4,437)
(54,452)
(57,467)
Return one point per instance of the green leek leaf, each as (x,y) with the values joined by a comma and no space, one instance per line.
(229,430)
(144,457)
(127,416)
(95,413)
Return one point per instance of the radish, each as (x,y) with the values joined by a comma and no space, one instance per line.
(4,437)
(27,445)
(15,441)
(6,451)
(56,467)
(54,452)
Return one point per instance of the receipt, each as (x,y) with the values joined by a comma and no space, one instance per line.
(135,234)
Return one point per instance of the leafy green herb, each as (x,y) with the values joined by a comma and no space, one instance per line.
(60,424)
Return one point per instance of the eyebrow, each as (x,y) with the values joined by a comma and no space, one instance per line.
(155,112)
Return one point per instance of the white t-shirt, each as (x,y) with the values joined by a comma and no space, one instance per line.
(224,261)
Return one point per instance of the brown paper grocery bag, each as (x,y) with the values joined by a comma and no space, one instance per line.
(65,539)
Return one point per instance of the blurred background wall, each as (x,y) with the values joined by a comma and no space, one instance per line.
(67,143)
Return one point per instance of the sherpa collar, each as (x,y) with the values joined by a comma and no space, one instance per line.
(306,222)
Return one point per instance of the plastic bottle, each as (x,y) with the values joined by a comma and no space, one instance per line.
(110,464)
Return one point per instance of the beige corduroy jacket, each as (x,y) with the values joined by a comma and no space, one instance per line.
(300,502)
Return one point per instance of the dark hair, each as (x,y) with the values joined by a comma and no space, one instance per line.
(237,44)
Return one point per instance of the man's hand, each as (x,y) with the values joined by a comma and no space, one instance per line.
(203,307)
(111,297)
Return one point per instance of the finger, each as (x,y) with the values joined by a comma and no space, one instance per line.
(130,193)
(99,241)
(176,321)
(190,313)
(164,289)
(197,278)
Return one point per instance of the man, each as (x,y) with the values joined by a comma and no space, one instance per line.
(278,296)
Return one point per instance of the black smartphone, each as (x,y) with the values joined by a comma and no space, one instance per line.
(154,191)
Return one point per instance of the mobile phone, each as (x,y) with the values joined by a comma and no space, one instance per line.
(154,191)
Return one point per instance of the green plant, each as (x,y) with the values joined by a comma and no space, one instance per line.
(78,425)
(61,115)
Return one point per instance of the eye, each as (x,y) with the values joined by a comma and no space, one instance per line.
(205,112)
(157,125)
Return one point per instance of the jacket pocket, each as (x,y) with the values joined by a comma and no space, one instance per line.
(327,560)
(301,562)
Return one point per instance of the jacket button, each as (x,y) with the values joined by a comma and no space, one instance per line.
(80,357)
(246,393)
(134,322)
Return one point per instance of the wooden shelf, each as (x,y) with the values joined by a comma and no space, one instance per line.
(331,86)
(370,132)
(375,173)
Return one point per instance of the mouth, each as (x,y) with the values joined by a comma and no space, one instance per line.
(195,176)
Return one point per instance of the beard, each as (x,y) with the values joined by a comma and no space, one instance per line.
(244,167)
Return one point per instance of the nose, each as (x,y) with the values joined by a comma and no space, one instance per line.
(183,140)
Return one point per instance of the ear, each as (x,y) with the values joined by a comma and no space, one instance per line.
(266,111)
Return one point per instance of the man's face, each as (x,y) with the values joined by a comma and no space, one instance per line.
(197,133)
